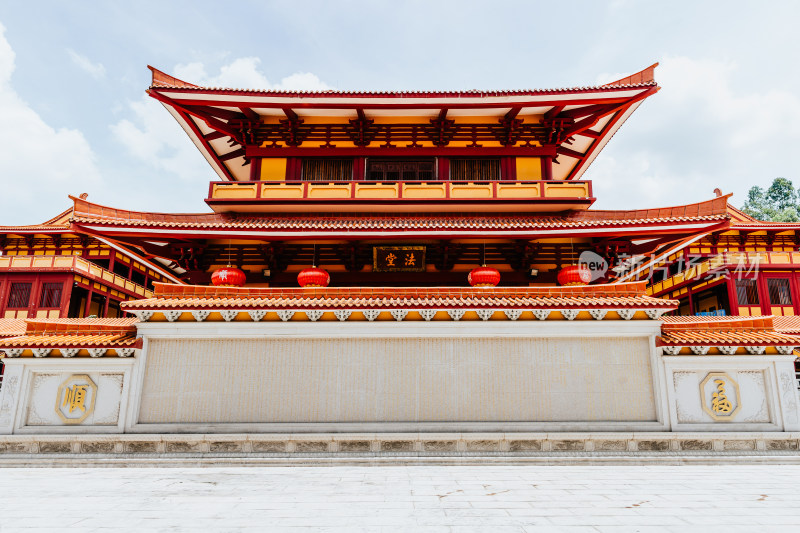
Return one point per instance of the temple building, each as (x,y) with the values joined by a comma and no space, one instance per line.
(399,272)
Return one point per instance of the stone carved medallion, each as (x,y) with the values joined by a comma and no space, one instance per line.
(75,398)
(720,396)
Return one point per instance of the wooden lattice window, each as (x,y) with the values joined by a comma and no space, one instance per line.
(747,291)
(399,170)
(779,293)
(51,295)
(475,169)
(19,296)
(324,169)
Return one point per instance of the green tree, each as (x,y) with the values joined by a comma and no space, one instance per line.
(778,203)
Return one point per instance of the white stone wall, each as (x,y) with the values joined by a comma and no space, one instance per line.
(389,380)
(30,397)
(767,392)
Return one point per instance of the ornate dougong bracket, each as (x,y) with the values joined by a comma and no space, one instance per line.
(361,131)
(342,314)
(598,314)
(314,314)
(229,314)
(285,315)
(442,130)
(371,314)
(484,314)
(555,130)
(541,314)
(509,131)
(291,133)
(427,314)
(257,314)
(569,314)
(143,316)
(97,352)
(200,315)
(70,352)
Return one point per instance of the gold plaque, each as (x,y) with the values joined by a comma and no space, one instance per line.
(720,396)
(398,259)
(75,399)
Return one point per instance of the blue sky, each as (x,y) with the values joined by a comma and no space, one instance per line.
(74,117)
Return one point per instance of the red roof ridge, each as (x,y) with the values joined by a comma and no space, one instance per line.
(85,208)
(714,206)
(167,291)
(646,75)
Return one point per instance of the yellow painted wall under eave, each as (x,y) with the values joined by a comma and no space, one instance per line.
(273,169)
(529,168)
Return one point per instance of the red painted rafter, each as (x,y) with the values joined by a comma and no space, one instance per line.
(531,151)
(212,122)
(205,143)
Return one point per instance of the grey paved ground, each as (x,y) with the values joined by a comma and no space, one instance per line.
(725,498)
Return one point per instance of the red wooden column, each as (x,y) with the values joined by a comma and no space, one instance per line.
(733,298)
(443,168)
(255,169)
(547,168)
(66,296)
(88,305)
(359,168)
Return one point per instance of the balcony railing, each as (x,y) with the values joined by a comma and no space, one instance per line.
(71,263)
(433,195)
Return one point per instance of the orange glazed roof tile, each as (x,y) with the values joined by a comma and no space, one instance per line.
(70,341)
(622,295)
(75,332)
(787,324)
(12,327)
(722,331)
(709,211)
(644,78)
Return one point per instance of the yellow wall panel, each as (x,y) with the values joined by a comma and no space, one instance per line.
(273,169)
(529,168)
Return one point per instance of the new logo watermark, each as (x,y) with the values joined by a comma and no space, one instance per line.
(596,264)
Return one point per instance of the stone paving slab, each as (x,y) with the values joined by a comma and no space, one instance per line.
(492,498)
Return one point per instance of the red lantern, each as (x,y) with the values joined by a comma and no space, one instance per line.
(228,277)
(575,275)
(313,277)
(484,276)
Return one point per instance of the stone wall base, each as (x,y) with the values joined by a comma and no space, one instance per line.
(397,448)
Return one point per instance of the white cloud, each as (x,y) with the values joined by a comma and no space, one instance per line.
(39,165)
(701,131)
(152,135)
(95,70)
(243,73)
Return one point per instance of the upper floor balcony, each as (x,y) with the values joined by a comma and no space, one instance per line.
(32,264)
(400,196)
